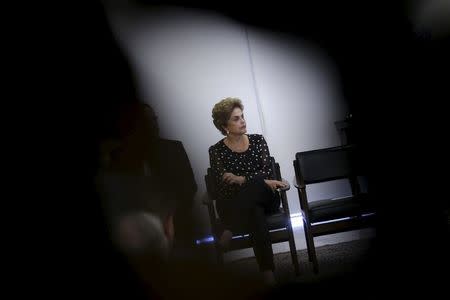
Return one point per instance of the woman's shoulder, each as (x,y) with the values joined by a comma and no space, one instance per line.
(256,137)
(216,146)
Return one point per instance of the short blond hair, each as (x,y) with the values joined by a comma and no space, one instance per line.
(222,110)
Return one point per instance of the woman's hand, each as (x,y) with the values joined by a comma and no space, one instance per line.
(230,178)
(274,184)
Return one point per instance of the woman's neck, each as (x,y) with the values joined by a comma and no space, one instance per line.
(235,139)
(237,143)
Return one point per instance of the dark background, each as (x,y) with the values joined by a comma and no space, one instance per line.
(393,79)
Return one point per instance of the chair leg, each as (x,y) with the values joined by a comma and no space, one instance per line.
(311,248)
(219,255)
(308,245)
(293,250)
(219,252)
(315,263)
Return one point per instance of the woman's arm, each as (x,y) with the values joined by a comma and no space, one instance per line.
(221,175)
(216,165)
(266,171)
(265,168)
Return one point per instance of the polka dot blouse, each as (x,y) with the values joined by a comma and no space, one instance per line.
(255,161)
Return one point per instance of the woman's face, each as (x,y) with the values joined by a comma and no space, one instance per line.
(236,123)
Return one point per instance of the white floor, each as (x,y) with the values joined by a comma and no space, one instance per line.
(300,242)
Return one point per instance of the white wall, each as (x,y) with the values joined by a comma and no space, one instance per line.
(299,96)
(187,60)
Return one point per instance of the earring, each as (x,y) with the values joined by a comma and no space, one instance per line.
(228,132)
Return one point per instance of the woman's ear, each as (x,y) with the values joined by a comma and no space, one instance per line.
(225,129)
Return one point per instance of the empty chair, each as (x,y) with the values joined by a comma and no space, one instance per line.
(327,216)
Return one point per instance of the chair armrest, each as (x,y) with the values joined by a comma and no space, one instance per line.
(286,188)
(297,184)
(207,201)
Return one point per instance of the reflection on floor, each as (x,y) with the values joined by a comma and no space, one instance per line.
(300,242)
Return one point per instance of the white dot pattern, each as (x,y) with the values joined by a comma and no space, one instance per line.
(255,161)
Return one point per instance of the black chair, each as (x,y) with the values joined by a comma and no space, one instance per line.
(279,223)
(327,216)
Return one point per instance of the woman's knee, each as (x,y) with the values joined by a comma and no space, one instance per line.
(255,189)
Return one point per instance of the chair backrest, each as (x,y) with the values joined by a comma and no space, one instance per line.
(211,186)
(326,164)
(275,169)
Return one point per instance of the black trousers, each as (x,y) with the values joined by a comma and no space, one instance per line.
(246,213)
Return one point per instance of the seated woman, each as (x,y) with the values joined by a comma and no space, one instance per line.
(246,189)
